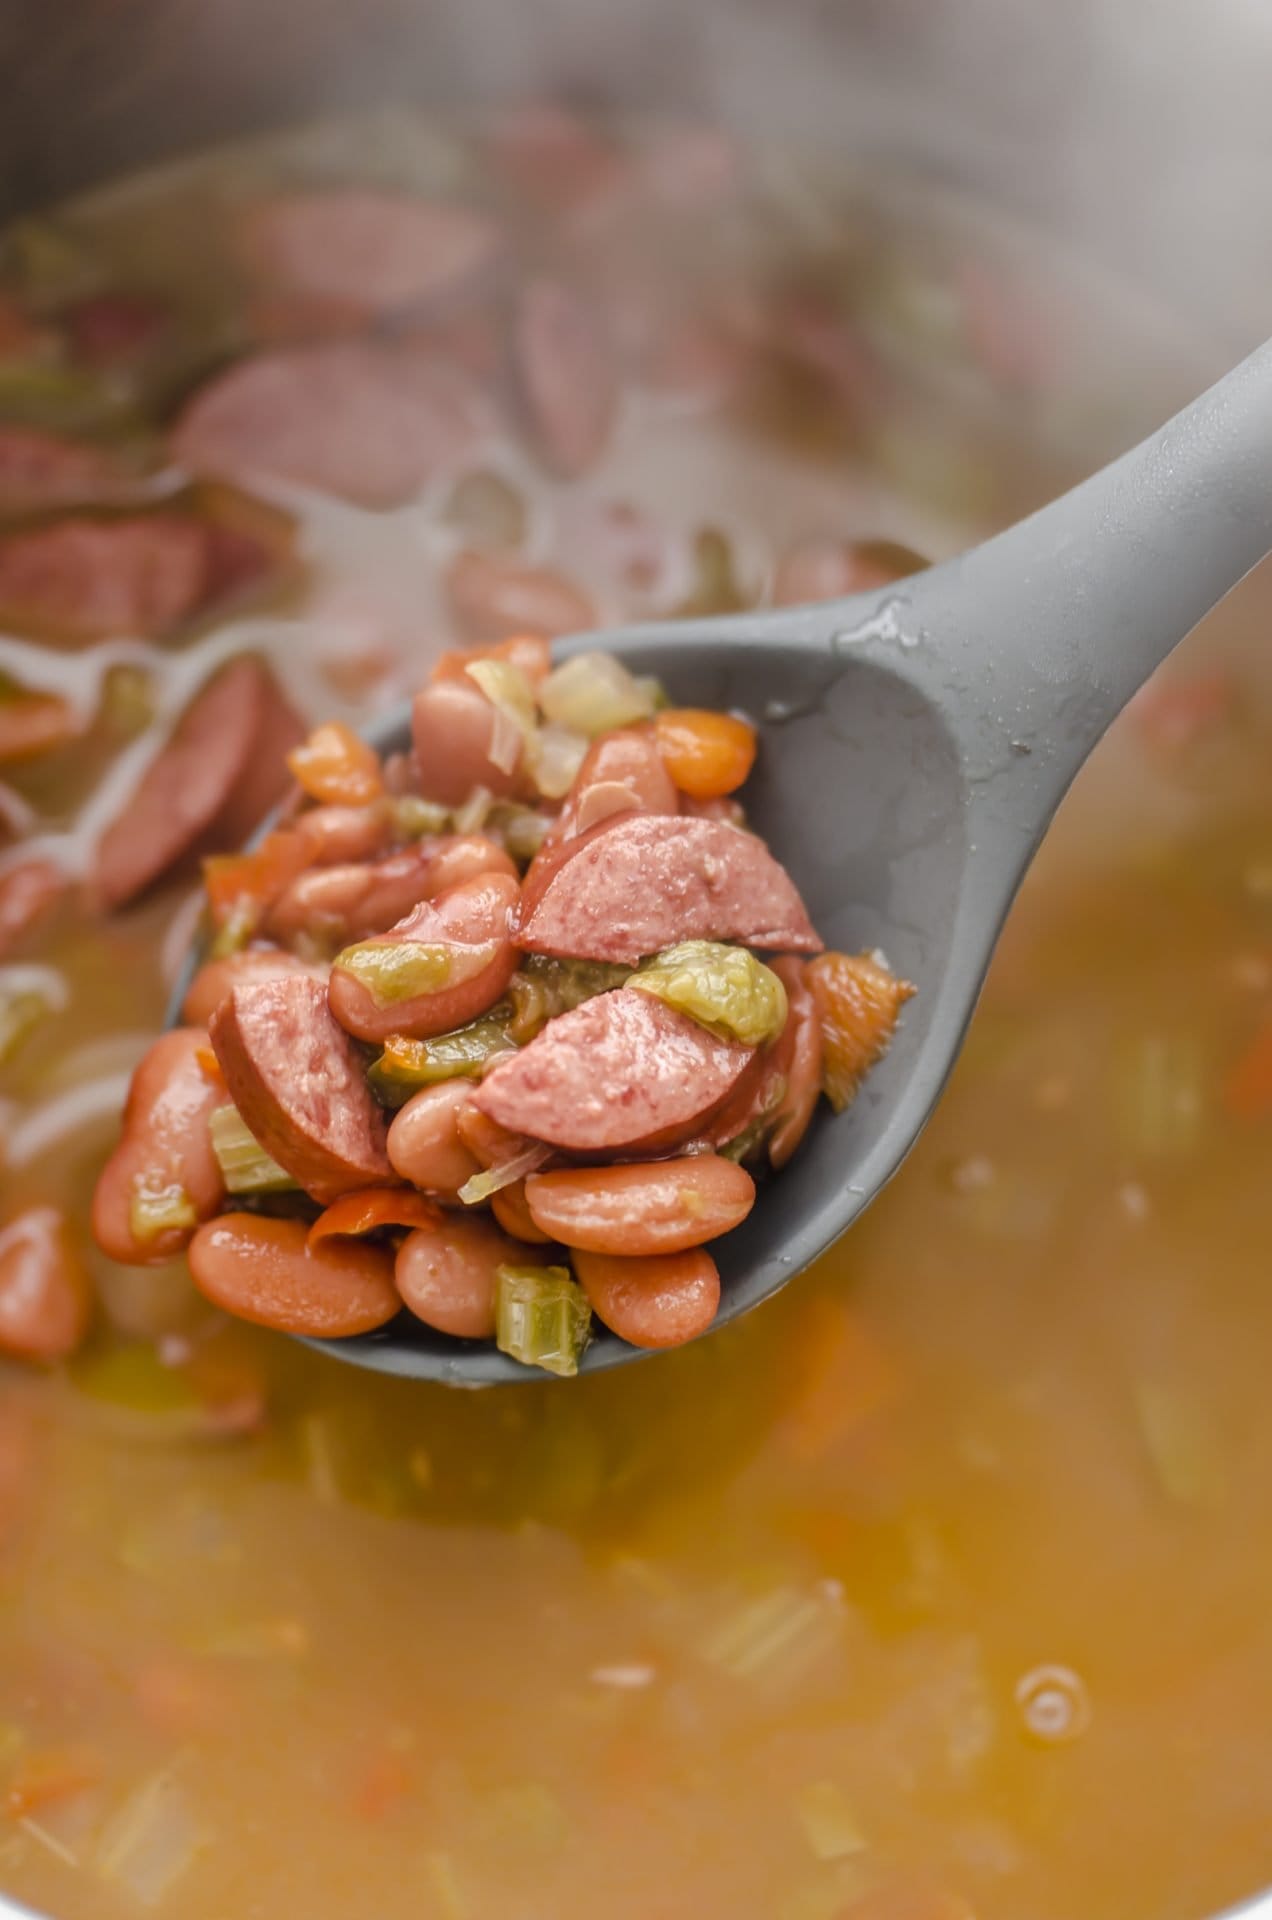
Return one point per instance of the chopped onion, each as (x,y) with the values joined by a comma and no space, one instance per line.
(480,1187)
(473,815)
(556,754)
(506,741)
(594,692)
(512,697)
(829,1824)
(151,1841)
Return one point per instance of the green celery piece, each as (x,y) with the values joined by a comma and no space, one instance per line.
(542,1317)
(155,1210)
(407,1065)
(543,987)
(723,988)
(245,1165)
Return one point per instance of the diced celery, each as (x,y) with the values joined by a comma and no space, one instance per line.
(20,1015)
(747,1143)
(543,986)
(521,829)
(128,700)
(717,588)
(487,511)
(151,1841)
(593,693)
(1160,1092)
(542,1317)
(245,1165)
(153,1210)
(775,1640)
(473,815)
(406,1065)
(721,987)
(829,1823)
(397,970)
(413,817)
(1180,1444)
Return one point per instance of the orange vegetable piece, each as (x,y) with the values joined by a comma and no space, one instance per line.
(1172,712)
(706,754)
(386,1781)
(858,1002)
(337,768)
(372,1207)
(44,1778)
(845,1379)
(1247,1091)
(244,885)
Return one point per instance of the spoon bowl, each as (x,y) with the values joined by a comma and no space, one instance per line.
(915,742)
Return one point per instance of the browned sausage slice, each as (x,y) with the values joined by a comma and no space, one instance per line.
(367,423)
(382,251)
(622,1073)
(639,883)
(216,978)
(221,768)
(567,375)
(80,579)
(297,1079)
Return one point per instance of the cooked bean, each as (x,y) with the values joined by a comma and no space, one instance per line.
(453,727)
(264,1270)
(663,1206)
(424,1143)
(45,1299)
(512,1211)
(466,932)
(660,1301)
(489,1143)
(337,835)
(163,1177)
(215,978)
(803,1062)
(343,903)
(622,772)
(447,1276)
(491,596)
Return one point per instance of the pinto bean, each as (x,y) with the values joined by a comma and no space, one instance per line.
(622,772)
(447,1276)
(424,1143)
(337,835)
(467,928)
(216,978)
(164,1160)
(343,903)
(803,1063)
(660,1301)
(453,727)
(662,1206)
(45,1298)
(511,1210)
(264,1270)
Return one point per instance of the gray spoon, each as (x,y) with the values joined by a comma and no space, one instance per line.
(916,742)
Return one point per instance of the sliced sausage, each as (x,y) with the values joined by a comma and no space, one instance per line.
(491,597)
(80,579)
(454,730)
(447,1276)
(365,422)
(383,251)
(566,373)
(45,1299)
(802,1067)
(218,771)
(216,978)
(622,772)
(39,470)
(469,927)
(660,1301)
(164,1154)
(637,884)
(264,1270)
(297,1079)
(622,1073)
(424,1142)
(662,1206)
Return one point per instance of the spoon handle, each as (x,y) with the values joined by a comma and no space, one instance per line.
(1054,624)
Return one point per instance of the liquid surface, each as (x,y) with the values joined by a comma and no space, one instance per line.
(935,1589)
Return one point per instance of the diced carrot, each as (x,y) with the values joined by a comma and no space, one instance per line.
(242,886)
(858,1002)
(529,652)
(336,768)
(46,1777)
(32,723)
(385,1782)
(706,754)
(372,1207)
(847,1378)
(1247,1090)
(209,1065)
(1171,713)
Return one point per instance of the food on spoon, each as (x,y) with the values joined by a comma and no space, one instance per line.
(466,1045)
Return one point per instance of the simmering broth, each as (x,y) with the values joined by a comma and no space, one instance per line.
(935,1589)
